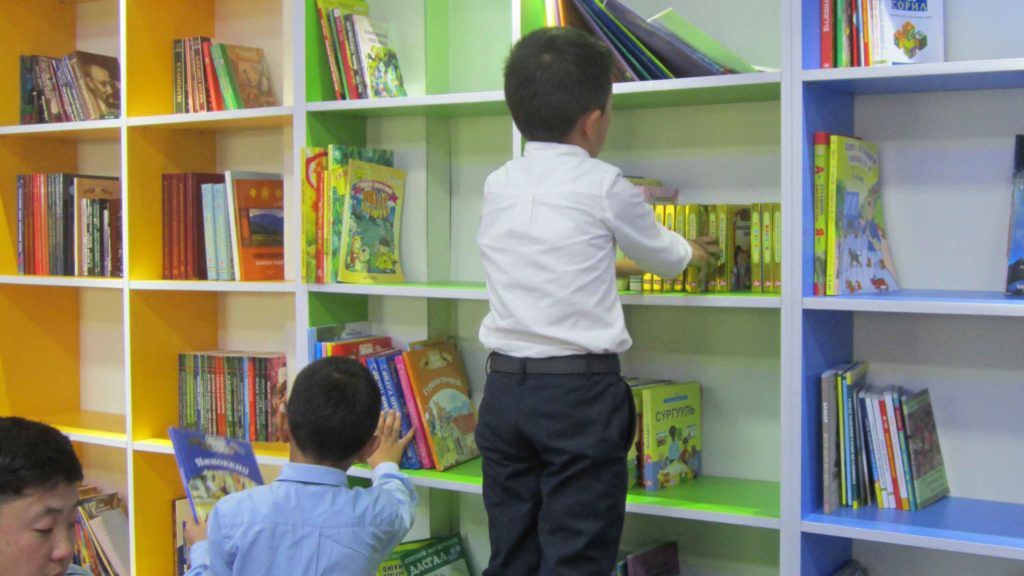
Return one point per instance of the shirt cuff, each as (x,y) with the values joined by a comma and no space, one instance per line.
(199,554)
(386,469)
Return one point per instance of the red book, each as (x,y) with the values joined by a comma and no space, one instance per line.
(346,55)
(212,84)
(828,37)
(167,204)
(251,384)
(331,63)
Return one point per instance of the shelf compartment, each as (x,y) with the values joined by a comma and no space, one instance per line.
(954,524)
(953,302)
(90,427)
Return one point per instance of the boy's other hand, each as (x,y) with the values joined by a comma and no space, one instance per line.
(194,531)
(391,446)
(705,249)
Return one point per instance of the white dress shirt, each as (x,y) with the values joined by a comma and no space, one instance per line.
(550,224)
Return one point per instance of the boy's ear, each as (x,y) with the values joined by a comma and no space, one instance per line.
(371,446)
(589,123)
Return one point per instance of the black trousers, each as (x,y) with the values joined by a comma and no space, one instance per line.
(554,471)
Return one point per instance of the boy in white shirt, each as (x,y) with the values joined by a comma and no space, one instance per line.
(556,418)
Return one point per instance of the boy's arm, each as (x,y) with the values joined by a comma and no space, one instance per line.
(199,537)
(650,245)
(392,483)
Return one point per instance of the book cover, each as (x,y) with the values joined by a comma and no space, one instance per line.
(821,161)
(672,433)
(87,190)
(392,565)
(1015,243)
(634,463)
(333,206)
(680,58)
(436,557)
(379,61)
(180,510)
(372,224)
(659,560)
(648,64)
(858,258)
(442,394)
(740,248)
(99,81)
(256,206)
(911,32)
(573,15)
(420,438)
(927,466)
(250,76)
(314,161)
(212,467)
(701,41)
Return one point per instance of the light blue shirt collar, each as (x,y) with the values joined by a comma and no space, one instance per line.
(313,474)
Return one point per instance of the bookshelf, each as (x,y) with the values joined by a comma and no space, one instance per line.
(105,349)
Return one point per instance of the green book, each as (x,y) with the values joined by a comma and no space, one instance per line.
(701,41)
(927,466)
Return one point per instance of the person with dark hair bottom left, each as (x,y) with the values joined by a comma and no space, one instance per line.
(309,521)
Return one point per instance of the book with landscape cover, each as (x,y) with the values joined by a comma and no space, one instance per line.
(256,219)
(441,389)
(372,224)
(212,467)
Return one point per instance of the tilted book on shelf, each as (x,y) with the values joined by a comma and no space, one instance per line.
(1015,243)
(212,467)
(371,230)
(909,32)
(926,463)
(378,60)
(703,43)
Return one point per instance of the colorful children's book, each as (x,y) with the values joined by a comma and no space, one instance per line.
(212,467)
(392,566)
(739,248)
(634,464)
(314,174)
(420,438)
(442,396)
(256,203)
(377,58)
(858,254)
(436,557)
(672,434)
(372,224)
(911,32)
(1015,244)
(248,78)
(927,466)
(333,208)
(821,158)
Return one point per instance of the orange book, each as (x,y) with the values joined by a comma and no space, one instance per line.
(256,204)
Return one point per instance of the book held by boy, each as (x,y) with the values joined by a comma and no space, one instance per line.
(212,467)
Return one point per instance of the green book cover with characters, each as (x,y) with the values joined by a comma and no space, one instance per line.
(671,434)
(372,224)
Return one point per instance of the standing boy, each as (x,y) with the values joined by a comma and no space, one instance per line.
(309,521)
(557,419)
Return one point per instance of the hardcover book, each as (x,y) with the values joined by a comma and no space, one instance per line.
(672,434)
(372,224)
(256,205)
(247,78)
(927,466)
(212,467)
(337,187)
(910,32)
(377,58)
(442,395)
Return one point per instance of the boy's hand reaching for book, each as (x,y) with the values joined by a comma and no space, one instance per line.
(705,250)
(194,531)
(391,445)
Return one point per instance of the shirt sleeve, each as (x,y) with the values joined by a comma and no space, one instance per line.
(641,237)
(199,559)
(396,487)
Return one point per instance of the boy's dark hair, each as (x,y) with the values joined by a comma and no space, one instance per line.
(34,456)
(333,409)
(553,77)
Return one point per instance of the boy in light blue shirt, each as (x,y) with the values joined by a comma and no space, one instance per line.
(309,521)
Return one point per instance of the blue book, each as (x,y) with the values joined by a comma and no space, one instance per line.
(222,230)
(386,365)
(212,467)
(634,48)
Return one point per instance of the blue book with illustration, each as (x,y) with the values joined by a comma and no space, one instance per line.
(212,467)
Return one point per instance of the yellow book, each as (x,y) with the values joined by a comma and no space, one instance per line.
(777,245)
(696,225)
(371,230)
(755,247)
(767,249)
(657,283)
(669,284)
(711,281)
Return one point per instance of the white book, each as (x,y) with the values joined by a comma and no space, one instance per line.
(910,32)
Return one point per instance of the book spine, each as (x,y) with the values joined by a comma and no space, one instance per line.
(216,97)
(891,462)
(756,250)
(832,233)
(345,51)
(820,209)
(415,414)
(842,26)
(874,484)
(828,37)
(179,75)
(657,282)
(828,441)
(21,224)
(396,399)
(332,63)
(225,77)
(355,56)
(777,247)
(210,240)
(897,452)
(852,487)
(767,250)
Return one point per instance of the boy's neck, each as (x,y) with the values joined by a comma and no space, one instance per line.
(296,456)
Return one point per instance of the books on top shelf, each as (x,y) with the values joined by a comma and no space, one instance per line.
(223,226)
(851,250)
(661,47)
(233,394)
(362,61)
(881,32)
(212,467)
(878,446)
(210,77)
(1015,243)
(101,536)
(73,88)
(69,225)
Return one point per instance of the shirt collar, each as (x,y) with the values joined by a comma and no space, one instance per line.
(548,148)
(312,474)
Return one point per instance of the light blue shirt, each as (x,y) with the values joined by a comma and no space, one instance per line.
(307,522)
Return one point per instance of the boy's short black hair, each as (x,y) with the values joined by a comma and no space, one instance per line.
(333,409)
(34,456)
(553,77)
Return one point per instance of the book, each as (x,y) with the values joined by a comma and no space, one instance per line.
(701,41)
(107,522)
(332,207)
(739,248)
(681,59)
(858,255)
(829,442)
(659,560)
(573,15)
(377,58)
(435,557)
(98,82)
(672,434)
(180,510)
(821,162)
(443,398)
(371,227)
(256,220)
(1015,243)
(243,75)
(212,467)
(828,36)
(93,195)
(926,463)
(420,438)
(911,32)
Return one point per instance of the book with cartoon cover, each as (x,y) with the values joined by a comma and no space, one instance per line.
(377,58)
(212,467)
(441,389)
(858,256)
(371,226)
(338,157)
(671,434)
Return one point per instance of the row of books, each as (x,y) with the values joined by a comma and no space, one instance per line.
(223,226)
(69,225)
(662,47)
(210,77)
(101,533)
(426,383)
(233,394)
(878,446)
(352,201)
(851,252)
(79,86)
(881,32)
(359,53)
(667,445)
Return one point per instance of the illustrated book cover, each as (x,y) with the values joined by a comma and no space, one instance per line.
(672,434)
(212,467)
(372,224)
